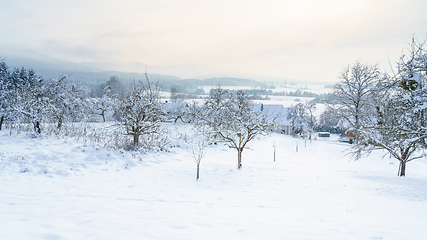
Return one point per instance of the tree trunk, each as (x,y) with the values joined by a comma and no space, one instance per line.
(103,115)
(59,123)
(37,128)
(239,158)
(402,169)
(1,121)
(135,141)
(198,168)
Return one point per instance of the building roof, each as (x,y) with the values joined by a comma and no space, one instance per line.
(274,112)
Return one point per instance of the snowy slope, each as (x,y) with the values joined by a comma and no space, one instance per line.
(55,188)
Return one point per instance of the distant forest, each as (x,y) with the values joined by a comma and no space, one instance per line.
(95,80)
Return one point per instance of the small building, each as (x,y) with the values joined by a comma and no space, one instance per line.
(276,114)
(324,134)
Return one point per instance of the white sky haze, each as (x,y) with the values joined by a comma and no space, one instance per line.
(303,40)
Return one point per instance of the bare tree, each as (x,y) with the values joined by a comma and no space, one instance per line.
(67,101)
(352,97)
(140,111)
(104,104)
(230,118)
(302,119)
(198,151)
(398,131)
(400,116)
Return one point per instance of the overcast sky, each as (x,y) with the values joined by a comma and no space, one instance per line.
(301,39)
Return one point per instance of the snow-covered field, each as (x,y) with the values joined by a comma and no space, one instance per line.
(57,188)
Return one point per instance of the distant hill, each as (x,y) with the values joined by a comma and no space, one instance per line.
(93,74)
(229,81)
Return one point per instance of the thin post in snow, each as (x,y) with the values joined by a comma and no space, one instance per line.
(274,151)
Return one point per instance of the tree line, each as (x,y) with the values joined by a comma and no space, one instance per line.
(27,98)
(224,117)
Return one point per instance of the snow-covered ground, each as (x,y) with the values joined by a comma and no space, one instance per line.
(57,188)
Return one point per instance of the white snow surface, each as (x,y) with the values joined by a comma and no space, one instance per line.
(60,188)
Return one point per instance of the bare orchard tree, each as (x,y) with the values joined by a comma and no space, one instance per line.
(352,97)
(401,125)
(399,130)
(303,119)
(230,118)
(67,101)
(197,152)
(140,111)
(103,105)
(310,118)
(296,116)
